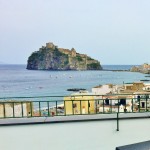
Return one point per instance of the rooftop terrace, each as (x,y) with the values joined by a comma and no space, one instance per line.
(26,129)
(92,135)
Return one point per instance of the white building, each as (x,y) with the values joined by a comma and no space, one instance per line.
(15,109)
(115,108)
(106,89)
(102,89)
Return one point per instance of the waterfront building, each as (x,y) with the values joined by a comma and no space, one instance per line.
(115,103)
(132,87)
(81,102)
(132,97)
(114,108)
(15,109)
(103,89)
(127,88)
(140,93)
(147,87)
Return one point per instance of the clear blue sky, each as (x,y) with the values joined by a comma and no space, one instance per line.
(111,31)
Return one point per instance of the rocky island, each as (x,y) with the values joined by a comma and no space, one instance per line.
(50,57)
(145,68)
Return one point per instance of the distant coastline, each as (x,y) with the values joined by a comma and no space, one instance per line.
(121,70)
(117,67)
(144,68)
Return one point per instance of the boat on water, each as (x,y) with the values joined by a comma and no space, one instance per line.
(144,80)
(147,76)
(76,89)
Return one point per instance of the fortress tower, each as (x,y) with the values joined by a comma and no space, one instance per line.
(50,45)
(73,52)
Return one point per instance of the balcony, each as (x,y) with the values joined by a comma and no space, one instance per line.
(41,125)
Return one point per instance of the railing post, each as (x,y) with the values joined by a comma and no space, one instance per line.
(111,106)
(72,107)
(118,105)
(40,109)
(31,108)
(88,106)
(13,110)
(48,108)
(64,108)
(4,110)
(146,96)
(80,107)
(125,106)
(22,109)
(103,107)
(139,104)
(96,106)
(56,108)
(117,121)
(132,105)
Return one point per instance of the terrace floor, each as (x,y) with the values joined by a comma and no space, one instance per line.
(77,135)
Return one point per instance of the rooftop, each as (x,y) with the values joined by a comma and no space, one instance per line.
(91,135)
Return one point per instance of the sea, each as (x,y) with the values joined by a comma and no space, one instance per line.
(17,81)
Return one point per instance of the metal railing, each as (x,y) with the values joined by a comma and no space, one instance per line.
(50,106)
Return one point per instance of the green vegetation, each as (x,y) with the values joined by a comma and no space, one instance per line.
(41,56)
(89,58)
(58,53)
(93,66)
(67,61)
(79,58)
(34,56)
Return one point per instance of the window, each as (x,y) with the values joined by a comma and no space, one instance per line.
(74,105)
(107,101)
(122,101)
(143,105)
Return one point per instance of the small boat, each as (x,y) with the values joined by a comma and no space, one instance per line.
(76,89)
(147,76)
(145,80)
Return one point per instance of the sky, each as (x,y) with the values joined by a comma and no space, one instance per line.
(111,31)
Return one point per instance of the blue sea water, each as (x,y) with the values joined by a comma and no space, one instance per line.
(16,80)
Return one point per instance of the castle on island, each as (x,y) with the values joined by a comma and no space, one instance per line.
(50,57)
(71,52)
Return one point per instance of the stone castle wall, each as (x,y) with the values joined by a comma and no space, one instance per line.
(49,58)
(65,51)
(71,52)
(83,55)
